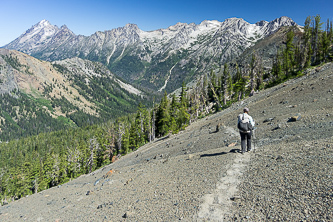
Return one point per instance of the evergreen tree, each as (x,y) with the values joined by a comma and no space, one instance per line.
(330,35)
(213,85)
(125,141)
(48,169)
(153,122)
(288,54)
(277,68)
(324,46)
(237,86)
(183,116)
(133,136)
(230,85)
(307,36)
(253,65)
(138,131)
(316,30)
(162,117)
(224,81)
(174,114)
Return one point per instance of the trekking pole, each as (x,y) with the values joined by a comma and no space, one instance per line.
(254,140)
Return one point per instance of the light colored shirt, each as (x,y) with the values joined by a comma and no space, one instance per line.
(246,116)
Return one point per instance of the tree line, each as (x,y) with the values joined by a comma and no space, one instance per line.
(29,165)
(314,48)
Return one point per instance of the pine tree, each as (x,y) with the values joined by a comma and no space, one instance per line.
(213,85)
(125,140)
(120,133)
(307,36)
(288,54)
(174,113)
(48,170)
(253,65)
(230,85)
(153,122)
(183,116)
(174,106)
(138,135)
(317,28)
(324,46)
(162,117)
(277,68)
(330,38)
(237,86)
(260,75)
(133,136)
(224,81)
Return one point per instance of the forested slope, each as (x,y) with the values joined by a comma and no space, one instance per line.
(38,96)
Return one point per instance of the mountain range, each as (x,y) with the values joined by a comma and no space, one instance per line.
(159,60)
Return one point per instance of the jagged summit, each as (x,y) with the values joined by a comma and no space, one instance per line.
(43,23)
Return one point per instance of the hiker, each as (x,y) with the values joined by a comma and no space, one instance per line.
(245,125)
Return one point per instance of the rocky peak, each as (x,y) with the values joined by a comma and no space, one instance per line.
(262,23)
(178,26)
(64,27)
(42,24)
(284,21)
(277,23)
(43,28)
(235,25)
(131,26)
(39,34)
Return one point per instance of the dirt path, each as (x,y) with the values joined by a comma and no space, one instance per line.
(217,206)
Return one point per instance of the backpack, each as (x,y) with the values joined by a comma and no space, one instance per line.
(244,123)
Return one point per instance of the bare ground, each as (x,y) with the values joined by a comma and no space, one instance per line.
(198,174)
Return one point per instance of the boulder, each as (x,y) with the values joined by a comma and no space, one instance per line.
(295,118)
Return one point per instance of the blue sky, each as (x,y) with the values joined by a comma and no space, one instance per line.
(86,17)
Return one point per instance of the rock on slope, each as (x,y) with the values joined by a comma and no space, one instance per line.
(198,175)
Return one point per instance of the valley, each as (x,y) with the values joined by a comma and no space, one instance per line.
(62,94)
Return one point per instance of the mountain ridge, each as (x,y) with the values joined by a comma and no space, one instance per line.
(146,57)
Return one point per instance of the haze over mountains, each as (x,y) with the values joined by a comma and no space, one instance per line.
(160,59)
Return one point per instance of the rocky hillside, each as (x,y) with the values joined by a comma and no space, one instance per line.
(72,92)
(160,59)
(198,174)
